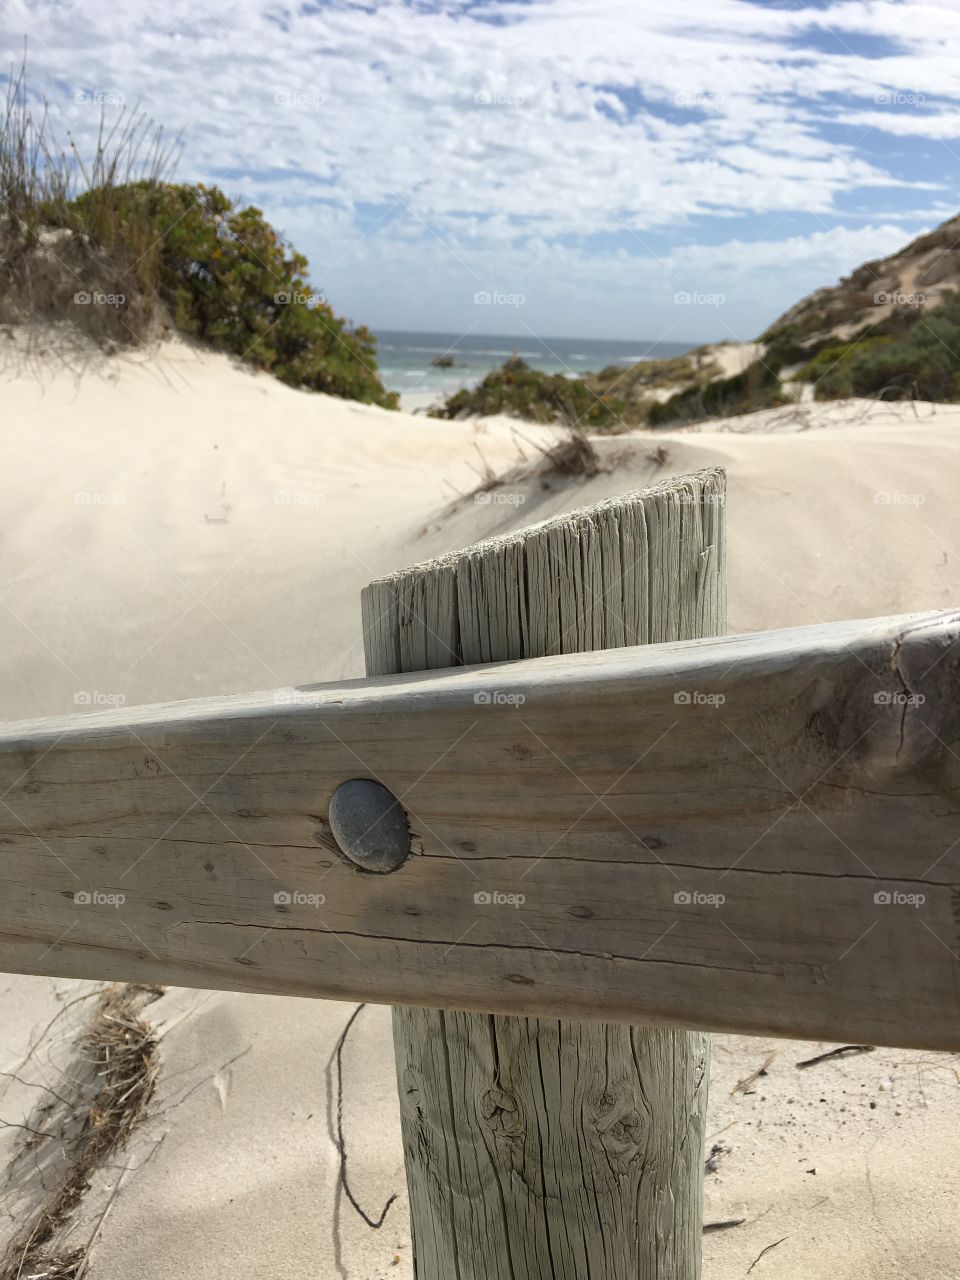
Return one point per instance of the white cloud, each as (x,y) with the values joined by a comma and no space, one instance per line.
(570,291)
(565,122)
(939,126)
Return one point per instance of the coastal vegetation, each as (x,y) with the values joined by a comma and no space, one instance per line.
(757,387)
(114,251)
(650,393)
(522,392)
(613,399)
(912,352)
(910,355)
(890,330)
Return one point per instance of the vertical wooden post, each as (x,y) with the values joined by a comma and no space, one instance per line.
(540,1149)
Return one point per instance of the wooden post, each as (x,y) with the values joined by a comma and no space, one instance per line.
(537,1148)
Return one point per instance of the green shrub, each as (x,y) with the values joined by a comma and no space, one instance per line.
(228,278)
(757,387)
(522,392)
(785,351)
(165,250)
(831,369)
(911,355)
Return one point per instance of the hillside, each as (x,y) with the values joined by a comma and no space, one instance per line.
(860,337)
(917,276)
(890,330)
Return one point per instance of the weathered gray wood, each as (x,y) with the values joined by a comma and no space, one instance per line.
(800,799)
(560,1148)
(540,1149)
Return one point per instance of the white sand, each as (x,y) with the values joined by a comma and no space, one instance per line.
(419,402)
(230,525)
(733,357)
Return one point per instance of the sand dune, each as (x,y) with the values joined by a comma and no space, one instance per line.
(178,526)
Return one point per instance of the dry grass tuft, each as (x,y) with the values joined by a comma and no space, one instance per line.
(117,1071)
(573,455)
(53,262)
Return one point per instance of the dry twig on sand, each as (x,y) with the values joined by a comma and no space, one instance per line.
(743,1085)
(766,1250)
(374,1223)
(844,1051)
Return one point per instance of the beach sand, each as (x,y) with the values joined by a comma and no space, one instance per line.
(177,526)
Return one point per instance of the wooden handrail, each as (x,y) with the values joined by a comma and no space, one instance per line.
(755,833)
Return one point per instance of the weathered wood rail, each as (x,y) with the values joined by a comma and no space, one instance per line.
(755,833)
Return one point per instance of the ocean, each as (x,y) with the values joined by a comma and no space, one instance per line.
(404,359)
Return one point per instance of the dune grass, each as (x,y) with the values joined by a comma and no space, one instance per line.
(78,1129)
(110,250)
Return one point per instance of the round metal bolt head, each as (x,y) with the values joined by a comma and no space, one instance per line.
(369,825)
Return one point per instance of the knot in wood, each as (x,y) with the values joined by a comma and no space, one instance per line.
(500,1111)
(620,1128)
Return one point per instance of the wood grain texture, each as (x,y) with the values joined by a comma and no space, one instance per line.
(551,1149)
(801,799)
(539,1149)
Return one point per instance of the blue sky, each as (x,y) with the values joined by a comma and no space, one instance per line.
(598,168)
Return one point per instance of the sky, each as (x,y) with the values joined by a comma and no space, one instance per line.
(629,169)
